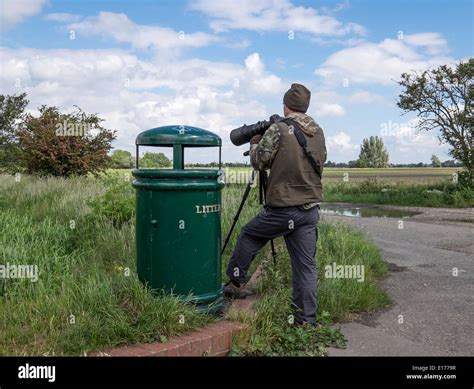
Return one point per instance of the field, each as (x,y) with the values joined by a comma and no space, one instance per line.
(423,175)
(80,234)
(423,187)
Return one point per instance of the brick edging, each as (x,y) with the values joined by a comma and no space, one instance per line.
(212,340)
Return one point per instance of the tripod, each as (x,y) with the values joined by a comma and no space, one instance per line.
(263,177)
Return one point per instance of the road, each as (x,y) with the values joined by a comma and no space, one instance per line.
(433,308)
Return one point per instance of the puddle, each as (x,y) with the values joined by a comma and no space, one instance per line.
(364,211)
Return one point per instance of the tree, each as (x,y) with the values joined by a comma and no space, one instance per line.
(64,144)
(373,153)
(451,163)
(122,159)
(435,161)
(11,115)
(154,160)
(443,99)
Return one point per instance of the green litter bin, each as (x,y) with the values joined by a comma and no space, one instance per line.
(178,220)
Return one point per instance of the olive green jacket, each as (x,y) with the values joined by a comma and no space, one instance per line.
(292,180)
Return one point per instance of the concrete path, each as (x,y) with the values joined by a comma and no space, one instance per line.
(437,307)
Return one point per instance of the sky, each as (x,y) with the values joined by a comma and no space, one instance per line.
(219,64)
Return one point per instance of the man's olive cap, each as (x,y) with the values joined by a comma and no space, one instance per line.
(297,98)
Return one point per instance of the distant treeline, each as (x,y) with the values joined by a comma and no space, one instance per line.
(350,164)
(216,164)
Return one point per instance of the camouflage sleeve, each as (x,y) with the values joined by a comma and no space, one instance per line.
(263,153)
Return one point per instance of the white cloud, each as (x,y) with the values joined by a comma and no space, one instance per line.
(406,143)
(326,102)
(403,142)
(384,62)
(109,70)
(433,41)
(122,30)
(15,11)
(134,95)
(365,97)
(324,41)
(239,45)
(409,139)
(329,109)
(272,15)
(340,147)
(62,17)
(261,81)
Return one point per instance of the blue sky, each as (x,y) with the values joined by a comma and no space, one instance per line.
(216,65)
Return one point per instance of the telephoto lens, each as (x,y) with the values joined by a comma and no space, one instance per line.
(242,135)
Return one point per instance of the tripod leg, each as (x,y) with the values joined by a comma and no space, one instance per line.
(239,210)
(274,255)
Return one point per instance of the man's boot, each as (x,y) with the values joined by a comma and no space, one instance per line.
(235,290)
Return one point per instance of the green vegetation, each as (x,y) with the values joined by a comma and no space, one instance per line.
(11,111)
(435,161)
(53,143)
(373,153)
(372,191)
(443,98)
(154,160)
(423,187)
(84,299)
(80,233)
(122,159)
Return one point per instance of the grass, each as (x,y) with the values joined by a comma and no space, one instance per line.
(422,195)
(83,301)
(80,234)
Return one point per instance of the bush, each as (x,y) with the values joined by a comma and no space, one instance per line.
(117,203)
(464,180)
(122,159)
(64,145)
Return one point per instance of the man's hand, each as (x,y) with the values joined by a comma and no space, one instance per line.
(263,152)
(255,139)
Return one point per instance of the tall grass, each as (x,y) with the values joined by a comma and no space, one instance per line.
(80,234)
(84,299)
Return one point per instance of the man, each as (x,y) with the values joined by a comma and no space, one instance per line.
(294,192)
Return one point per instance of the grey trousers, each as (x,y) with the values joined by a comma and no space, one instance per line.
(299,227)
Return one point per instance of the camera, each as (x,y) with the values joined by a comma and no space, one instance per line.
(242,135)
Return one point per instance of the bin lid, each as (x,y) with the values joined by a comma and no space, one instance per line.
(178,134)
